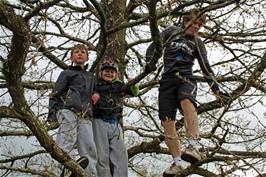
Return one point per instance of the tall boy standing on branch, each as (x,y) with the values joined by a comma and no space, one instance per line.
(70,104)
(178,86)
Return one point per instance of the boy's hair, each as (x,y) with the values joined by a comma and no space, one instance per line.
(79,46)
(194,14)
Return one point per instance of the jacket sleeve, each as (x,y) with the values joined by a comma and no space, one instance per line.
(205,66)
(132,91)
(165,35)
(56,96)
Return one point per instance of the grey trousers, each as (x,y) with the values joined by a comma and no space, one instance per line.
(74,132)
(111,150)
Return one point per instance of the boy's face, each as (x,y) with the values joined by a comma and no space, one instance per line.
(194,27)
(108,74)
(79,56)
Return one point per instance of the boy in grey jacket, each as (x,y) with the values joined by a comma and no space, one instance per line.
(70,104)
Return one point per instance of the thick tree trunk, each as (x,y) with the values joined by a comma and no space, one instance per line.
(115,51)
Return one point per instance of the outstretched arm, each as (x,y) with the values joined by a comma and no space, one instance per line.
(205,66)
(207,71)
(134,89)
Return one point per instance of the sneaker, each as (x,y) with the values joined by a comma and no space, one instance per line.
(172,171)
(191,154)
(83,162)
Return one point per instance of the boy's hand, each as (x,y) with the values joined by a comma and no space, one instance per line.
(95,97)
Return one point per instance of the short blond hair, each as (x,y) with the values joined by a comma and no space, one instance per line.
(81,47)
(194,13)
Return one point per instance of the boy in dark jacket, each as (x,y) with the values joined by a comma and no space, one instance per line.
(111,151)
(178,86)
(70,104)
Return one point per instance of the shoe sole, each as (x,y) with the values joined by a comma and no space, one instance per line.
(84,163)
(189,158)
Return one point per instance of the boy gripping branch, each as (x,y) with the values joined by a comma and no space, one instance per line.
(178,86)
(70,104)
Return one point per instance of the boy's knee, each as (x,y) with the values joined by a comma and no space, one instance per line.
(187,104)
(185,101)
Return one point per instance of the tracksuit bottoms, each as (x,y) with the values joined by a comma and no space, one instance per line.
(76,132)
(111,150)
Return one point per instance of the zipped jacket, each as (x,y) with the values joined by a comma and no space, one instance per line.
(110,103)
(72,90)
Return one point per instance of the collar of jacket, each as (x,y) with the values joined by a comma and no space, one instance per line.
(78,68)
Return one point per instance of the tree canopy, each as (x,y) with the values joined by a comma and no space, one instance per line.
(35,40)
